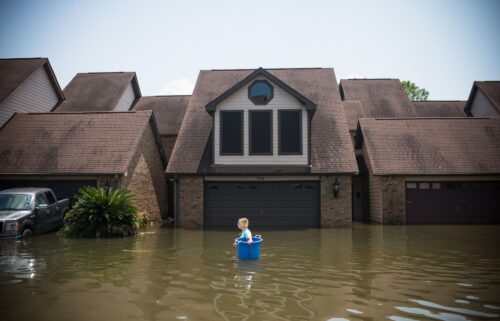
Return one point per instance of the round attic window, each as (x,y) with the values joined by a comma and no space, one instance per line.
(260,92)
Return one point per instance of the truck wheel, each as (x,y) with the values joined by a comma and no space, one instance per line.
(27,233)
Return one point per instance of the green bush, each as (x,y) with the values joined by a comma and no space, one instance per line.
(98,213)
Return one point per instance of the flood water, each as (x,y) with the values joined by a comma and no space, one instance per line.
(397,273)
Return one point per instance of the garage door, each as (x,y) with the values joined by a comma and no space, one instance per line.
(265,204)
(62,188)
(452,202)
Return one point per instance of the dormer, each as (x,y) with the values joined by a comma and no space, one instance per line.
(27,85)
(261,121)
(101,91)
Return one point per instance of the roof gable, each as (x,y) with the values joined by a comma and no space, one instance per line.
(14,71)
(490,89)
(309,105)
(331,146)
(431,146)
(99,91)
(73,143)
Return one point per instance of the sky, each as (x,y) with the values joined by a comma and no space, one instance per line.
(441,45)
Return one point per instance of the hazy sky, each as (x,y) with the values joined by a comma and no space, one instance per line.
(440,45)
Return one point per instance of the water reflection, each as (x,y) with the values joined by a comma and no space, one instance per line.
(364,273)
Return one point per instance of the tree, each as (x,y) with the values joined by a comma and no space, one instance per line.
(413,91)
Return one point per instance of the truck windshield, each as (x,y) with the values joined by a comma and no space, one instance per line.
(15,202)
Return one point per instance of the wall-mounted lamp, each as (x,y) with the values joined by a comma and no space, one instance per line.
(106,187)
(336,188)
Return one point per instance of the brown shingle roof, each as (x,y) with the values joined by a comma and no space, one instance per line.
(353,111)
(98,91)
(330,142)
(379,97)
(14,71)
(431,146)
(71,143)
(439,108)
(491,89)
(169,111)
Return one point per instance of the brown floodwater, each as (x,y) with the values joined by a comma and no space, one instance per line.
(397,273)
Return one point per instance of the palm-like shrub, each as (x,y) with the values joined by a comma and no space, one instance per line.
(101,213)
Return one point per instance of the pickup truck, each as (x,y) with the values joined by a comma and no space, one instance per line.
(28,211)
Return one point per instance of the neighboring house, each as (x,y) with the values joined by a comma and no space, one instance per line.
(65,151)
(431,170)
(169,113)
(101,91)
(383,98)
(27,85)
(484,99)
(271,145)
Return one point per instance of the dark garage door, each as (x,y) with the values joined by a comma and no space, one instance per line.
(62,188)
(265,204)
(452,202)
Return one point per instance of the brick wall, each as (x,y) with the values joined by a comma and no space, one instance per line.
(146,178)
(190,202)
(393,200)
(336,212)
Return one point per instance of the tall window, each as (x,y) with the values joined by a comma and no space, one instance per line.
(290,132)
(231,133)
(261,132)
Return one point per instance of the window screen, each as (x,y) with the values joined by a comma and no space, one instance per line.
(231,132)
(261,132)
(290,132)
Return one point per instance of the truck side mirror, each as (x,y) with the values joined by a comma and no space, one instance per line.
(42,207)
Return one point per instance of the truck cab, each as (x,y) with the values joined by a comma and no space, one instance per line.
(27,211)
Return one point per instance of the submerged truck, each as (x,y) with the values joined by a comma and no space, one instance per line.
(28,211)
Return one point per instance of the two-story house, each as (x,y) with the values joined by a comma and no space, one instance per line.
(27,85)
(270,145)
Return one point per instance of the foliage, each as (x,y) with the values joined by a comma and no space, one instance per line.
(101,213)
(413,91)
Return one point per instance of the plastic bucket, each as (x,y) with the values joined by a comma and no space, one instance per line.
(249,251)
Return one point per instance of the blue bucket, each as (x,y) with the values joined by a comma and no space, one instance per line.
(249,251)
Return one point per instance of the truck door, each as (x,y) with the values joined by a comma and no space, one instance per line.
(53,211)
(42,213)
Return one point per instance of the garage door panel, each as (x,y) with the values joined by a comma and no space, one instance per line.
(265,204)
(454,203)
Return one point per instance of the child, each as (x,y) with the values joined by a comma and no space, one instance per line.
(245,232)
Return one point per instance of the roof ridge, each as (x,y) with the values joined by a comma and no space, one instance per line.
(88,112)
(24,58)
(292,68)
(107,72)
(422,118)
(168,96)
(432,100)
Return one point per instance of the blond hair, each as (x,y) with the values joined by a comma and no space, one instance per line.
(243,222)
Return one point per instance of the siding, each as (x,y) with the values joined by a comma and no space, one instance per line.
(126,100)
(36,94)
(239,101)
(482,107)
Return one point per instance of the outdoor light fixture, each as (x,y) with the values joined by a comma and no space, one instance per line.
(106,187)
(336,187)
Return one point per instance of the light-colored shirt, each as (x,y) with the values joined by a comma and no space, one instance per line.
(246,234)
